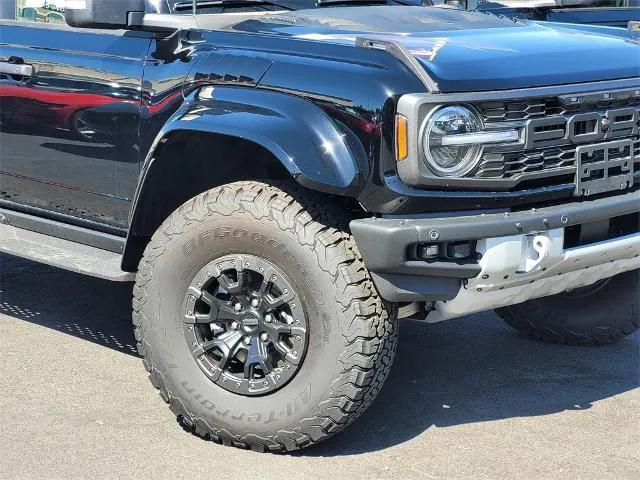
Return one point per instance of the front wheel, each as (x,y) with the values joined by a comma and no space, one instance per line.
(592,315)
(257,319)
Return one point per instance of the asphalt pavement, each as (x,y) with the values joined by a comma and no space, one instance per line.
(466,399)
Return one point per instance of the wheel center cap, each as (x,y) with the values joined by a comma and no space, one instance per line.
(250,324)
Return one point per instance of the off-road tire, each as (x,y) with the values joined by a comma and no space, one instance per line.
(353,334)
(587,317)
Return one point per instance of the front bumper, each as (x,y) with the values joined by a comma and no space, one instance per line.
(385,242)
(507,279)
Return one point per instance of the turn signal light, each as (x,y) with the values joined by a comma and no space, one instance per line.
(401,138)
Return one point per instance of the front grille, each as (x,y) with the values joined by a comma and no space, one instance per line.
(553,132)
(544,107)
(507,165)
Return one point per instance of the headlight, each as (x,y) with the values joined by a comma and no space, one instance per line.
(443,158)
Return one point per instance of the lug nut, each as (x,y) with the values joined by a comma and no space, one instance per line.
(235,325)
(268,318)
(264,337)
(255,302)
(247,340)
(237,307)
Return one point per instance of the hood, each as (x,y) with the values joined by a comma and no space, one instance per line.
(471,51)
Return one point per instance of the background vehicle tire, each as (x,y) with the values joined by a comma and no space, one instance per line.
(593,315)
(351,336)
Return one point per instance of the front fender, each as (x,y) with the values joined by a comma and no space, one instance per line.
(315,150)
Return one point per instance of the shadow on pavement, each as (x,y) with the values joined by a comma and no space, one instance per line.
(469,370)
(89,308)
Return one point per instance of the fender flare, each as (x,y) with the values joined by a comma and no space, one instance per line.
(307,142)
(317,151)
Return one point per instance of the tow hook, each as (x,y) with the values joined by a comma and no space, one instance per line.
(536,253)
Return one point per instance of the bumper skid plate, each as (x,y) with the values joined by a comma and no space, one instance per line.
(522,267)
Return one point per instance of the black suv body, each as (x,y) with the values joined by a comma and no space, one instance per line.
(284,184)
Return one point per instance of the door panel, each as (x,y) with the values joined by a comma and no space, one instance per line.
(69,133)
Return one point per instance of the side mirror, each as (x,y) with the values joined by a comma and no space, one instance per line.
(112,14)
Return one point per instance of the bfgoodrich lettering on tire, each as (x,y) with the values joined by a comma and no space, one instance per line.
(257,319)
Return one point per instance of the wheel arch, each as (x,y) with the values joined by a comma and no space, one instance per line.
(226,134)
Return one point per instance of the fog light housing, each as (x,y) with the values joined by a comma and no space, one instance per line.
(428,251)
(459,250)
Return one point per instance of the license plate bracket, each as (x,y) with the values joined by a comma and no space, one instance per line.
(604,167)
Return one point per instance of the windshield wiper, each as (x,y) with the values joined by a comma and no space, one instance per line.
(225,3)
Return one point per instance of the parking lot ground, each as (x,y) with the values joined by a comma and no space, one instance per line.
(466,399)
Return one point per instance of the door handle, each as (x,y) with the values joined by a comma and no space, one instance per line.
(16,69)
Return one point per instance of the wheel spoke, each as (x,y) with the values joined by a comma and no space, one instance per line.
(213,344)
(223,312)
(207,298)
(227,340)
(257,355)
(233,345)
(197,318)
(242,280)
(281,348)
(266,281)
(227,344)
(234,288)
(225,283)
(277,329)
(220,310)
(274,303)
(287,352)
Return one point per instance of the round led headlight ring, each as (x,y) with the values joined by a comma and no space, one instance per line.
(450,160)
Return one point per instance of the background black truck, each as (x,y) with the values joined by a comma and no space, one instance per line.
(283,184)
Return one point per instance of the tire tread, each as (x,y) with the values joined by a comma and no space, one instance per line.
(369,327)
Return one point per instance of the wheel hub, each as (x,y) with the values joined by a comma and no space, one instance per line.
(245,325)
(251,324)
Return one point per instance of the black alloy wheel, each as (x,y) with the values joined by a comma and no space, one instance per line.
(245,325)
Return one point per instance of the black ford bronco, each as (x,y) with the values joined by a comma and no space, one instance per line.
(284,180)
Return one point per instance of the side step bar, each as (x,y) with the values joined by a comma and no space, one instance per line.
(64,254)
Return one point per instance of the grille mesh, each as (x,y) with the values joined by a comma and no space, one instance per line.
(554,159)
(507,165)
(544,107)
